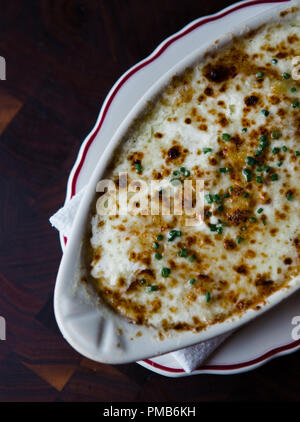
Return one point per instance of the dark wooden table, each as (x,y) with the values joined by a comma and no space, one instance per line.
(62,58)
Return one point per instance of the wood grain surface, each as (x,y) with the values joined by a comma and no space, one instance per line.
(62,58)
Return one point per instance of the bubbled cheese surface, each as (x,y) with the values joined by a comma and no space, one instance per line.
(237,109)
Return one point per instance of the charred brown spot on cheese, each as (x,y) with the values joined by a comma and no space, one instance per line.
(274,231)
(296,242)
(264,284)
(229,244)
(237,216)
(264,198)
(274,99)
(222,120)
(280,215)
(134,157)
(213,161)
(157,175)
(252,100)
(175,154)
(218,72)
(241,269)
(250,254)
(203,127)
(293,38)
(134,285)
(209,91)
(120,227)
(286,12)
(242,305)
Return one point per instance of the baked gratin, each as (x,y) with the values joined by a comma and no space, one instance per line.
(232,120)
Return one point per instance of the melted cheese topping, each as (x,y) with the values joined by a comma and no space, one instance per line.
(232,120)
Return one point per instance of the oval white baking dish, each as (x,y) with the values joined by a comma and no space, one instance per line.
(97,332)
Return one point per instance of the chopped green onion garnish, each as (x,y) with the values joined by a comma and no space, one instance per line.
(267,169)
(207,297)
(279,163)
(209,198)
(159,237)
(284,148)
(155,245)
(192,281)
(152,288)
(192,258)
(297,153)
(259,179)
(274,61)
(286,75)
(246,195)
(244,130)
(252,219)
(263,138)
(165,272)
(265,112)
(260,210)
(176,173)
(250,161)
(138,167)
(289,196)
(206,150)
(143,281)
(217,198)
(220,208)
(293,89)
(240,239)
(274,177)
(247,174)
(158,256)
(295,104)
(260,75)
(226,136)
(173,234)
(275,150)
(183,253)
(261,146)
(225,170)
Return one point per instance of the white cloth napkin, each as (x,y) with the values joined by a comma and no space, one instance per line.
(189,358)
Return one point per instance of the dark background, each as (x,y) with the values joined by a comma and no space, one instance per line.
(62,58)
